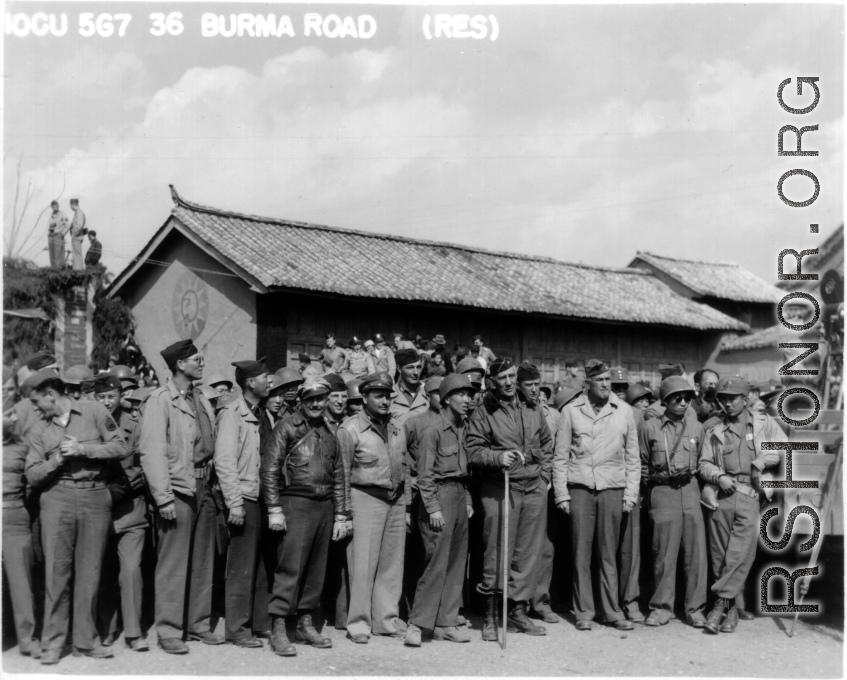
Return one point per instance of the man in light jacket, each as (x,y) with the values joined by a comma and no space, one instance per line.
(176,447)
(237,458)
(376,478)
(596,471)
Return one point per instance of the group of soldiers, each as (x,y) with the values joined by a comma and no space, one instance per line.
(58,225)
(320,491)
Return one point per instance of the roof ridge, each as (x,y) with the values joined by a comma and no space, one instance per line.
(179,201)
(681,259)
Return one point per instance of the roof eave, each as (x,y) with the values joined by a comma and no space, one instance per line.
(730,323)
(171,224)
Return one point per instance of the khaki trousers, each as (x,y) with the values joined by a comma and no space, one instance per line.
(375,559)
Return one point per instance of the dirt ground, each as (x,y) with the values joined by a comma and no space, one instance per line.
(759,648)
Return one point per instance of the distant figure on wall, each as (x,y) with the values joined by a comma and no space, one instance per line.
(95,250)
(78,232)
(57,227)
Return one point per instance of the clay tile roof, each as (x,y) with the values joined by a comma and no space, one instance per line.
(769,338)
(724,280)
(285,254)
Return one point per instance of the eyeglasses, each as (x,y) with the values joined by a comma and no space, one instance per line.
(197,359)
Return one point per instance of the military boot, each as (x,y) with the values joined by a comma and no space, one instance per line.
(713,620)
(306,633)
(489,630)
(279,639)
(730,623)
(519,622)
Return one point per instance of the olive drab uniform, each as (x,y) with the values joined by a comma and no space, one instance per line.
(122,564)
(669,463)
(76,515)
(17,544)
(735,449)
(176,446)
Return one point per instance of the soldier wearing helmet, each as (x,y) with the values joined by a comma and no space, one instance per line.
(638,396)
(355,401)
(288,382)
(442,517)
(413,428)
(732,458)
(669,462)
(78,380)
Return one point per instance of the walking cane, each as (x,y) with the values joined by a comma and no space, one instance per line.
(506,499)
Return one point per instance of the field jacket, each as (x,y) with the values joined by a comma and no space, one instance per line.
(492,429)
(237,452)
(166,445)
(599,451)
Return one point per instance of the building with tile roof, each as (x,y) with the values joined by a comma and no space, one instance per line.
(244,285)
(724,286)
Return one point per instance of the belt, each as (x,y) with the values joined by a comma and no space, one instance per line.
(450,480)
(81,484)
(16,503)
(201,472)
(744,479)
(746,490)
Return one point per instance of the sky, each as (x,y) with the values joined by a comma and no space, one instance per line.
(582,132)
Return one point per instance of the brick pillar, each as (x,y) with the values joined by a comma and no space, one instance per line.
(74,329)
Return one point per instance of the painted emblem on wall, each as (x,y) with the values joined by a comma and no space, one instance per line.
(190,305)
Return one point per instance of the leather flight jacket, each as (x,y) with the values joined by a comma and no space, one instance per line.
(301,459)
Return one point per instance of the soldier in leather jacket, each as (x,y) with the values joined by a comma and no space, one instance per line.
(302,479)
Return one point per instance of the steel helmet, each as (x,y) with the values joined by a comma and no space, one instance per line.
(217,379)
(636,391)
(289,375)
(76,375)
(353,391)
(209,392)
(672,385)
(123,373)
(565,396)
(454,382)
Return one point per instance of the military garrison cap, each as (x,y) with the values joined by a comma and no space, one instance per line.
(107,383)
(249,369)
(498,366)
(406,356)
(595,367)
(178,351)
(336,382)
(528,371)
(305,358)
